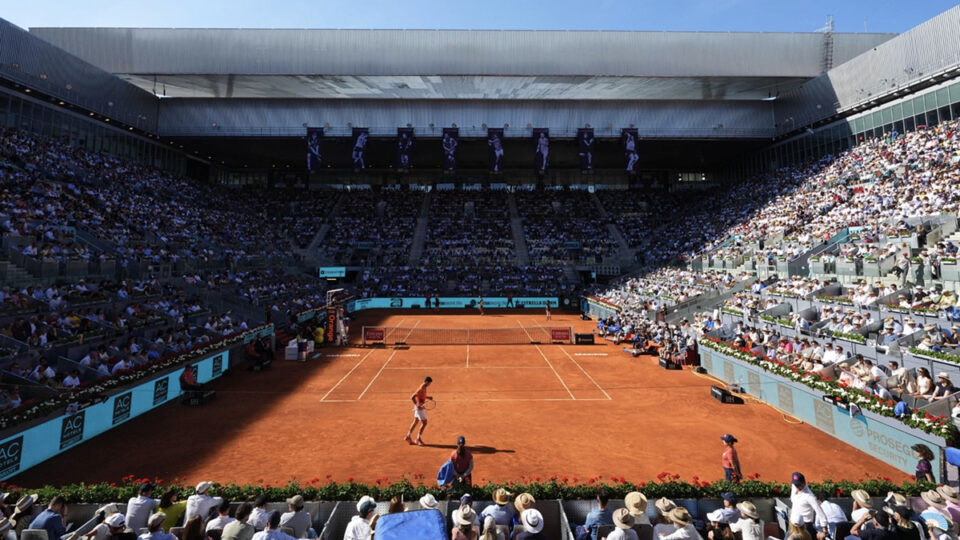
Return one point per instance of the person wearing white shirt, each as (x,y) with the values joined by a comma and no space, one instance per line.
(200,503)
(683,522)
(834,515)
(140,507)
(804,507)
(259,516)
(121,365)
(221,520)
(72,380)
(623,521)
(749,526)
(359,526)
(273,532)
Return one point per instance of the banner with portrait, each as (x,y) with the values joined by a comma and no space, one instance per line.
(541,149)
(314,149)
(450,143)
(358,154)
(495,144)
(585,142)
(631,139)
(404,149)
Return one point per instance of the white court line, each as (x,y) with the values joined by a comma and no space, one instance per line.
(468,355)
(390,333)
(411,331)
(590,354)
(460,367)
(377,375)
(585,373)
(462,400)
(347,375)
(555,373)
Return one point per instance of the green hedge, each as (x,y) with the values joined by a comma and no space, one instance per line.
(325,489)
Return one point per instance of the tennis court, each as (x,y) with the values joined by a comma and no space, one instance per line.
(531,410)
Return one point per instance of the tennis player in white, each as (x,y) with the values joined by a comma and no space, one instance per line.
(419,399)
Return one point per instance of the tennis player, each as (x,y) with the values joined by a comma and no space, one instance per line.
(419,398)
(480,305)
(548,311)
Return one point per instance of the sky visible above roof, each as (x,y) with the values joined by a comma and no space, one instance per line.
(886,16)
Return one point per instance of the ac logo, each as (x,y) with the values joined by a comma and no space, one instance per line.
(71,431)
(396,302)
(121,407)
(217,365)
(160,389)
(10,453)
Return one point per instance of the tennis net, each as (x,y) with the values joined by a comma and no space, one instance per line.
(398,335)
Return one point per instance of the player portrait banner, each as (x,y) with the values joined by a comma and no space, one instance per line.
(450,143)
(495,149)
(358,155)
(585,148)
(404,149)
(314,149)
(541,153)
(630,138)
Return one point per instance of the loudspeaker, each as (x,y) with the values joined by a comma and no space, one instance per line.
(583,339)
(667,364)
(723,396)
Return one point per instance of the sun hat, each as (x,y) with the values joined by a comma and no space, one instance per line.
(364,499)
(466,516)
(717,516)
(680,516)
(532,520)
(623,519)
(664,505)
(115,520)
(949,493)
(202,487)
(934,499)
(524,501)
(748,509)
(5,525)
(296,501)
(943,375)
(501,496)
(862,498)
(636,503)
(25,502)
(156,520)
(429,501)
(896,498)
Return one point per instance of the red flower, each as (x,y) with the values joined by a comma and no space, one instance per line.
(776,489)
(349,479)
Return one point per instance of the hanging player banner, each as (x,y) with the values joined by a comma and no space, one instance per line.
(585,142)
(360,136)
(314,155)
(630,138)
(495,149)
(541,138)
(404,148)
(450,143)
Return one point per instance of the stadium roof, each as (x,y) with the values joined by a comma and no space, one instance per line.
(458,64)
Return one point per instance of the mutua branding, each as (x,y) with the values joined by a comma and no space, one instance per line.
(121,407)
(217,365)
(10,453)
(160,389)
(396,302)
(71,432)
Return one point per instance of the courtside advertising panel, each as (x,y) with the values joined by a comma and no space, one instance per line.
(457,302)
(41,442)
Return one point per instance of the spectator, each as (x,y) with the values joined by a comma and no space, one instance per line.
(52,518)
(718,528)
(730,512)
(172,508)
(140,507)
(273,532)
(804,508)
(683,522)
(155,529)
(499,510)
(193,529)
(239,529)
(952,500)
(596,518)
(490,531)
(200,504)
(532,521)
(749,526)
(465,500)
(359,526)
(112,524)
(624,521)
(259,515)
(881,527)
(297,519)
(466,528)
(834,514)
(396,505)
(663,525)
(429,502)
(223,518)
(462,461)
(861,504)
(636,503)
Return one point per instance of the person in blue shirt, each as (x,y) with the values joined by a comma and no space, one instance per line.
(596,518)
(51,519)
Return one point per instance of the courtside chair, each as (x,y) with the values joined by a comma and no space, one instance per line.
(34,534)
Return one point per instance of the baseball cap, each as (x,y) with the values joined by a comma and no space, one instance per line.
(728,438)
(115,520)
(729,497)
(461,440)
(798,479)
(145,487)
(366,507)
(466,498)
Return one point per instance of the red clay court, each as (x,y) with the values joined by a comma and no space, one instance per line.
(575,411)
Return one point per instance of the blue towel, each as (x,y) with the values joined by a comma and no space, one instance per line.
(447,474)
(900,409)
(415,524)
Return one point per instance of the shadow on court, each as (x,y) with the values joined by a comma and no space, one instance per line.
(474,449)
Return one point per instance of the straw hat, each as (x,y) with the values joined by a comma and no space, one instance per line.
(501,496)
(623,519)
(748,509)
(466,516)
(156,520)
(25,502)
(636,503)
(429,501)
(202,487)
(943,375)
(5,525)
(532,520)
(681,516)
(949,493)
(524,501)
(862,498)
(934,499)
(664,505)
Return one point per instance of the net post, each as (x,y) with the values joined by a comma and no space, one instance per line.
(571,342)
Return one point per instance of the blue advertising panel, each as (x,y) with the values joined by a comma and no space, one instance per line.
(452,302)
(333,271)
(39,443)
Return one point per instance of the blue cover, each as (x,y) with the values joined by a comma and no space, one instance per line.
(952,455)
(900,409)
(446,474)
(412,525)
